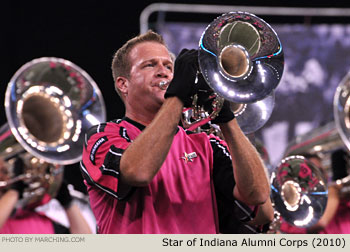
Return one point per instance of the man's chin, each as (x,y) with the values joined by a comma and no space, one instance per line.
(161,101)
(160,96)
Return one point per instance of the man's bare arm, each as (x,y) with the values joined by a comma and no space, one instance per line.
(143,158)
(264,214)
(252,186)
(77,222)
(7,203)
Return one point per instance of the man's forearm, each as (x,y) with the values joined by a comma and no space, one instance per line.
(264,215)
(144,157)
(7,203)
(252,186)
(77,222)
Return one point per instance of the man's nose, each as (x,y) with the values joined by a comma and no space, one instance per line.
(163,71)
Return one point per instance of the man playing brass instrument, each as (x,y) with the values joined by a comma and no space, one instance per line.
(336,216)
(26,220)
(145,174)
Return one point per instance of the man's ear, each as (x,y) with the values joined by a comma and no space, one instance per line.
(122,84)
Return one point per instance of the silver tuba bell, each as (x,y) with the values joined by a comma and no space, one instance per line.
(50,104)
(241,59)
(299,191)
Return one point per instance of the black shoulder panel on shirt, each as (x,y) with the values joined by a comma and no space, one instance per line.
(95,148)
(117,121)
(123,133)
(112,162)
(93,130)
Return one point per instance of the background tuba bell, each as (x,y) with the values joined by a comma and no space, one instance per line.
(299,191)
(50,104)
(242,61)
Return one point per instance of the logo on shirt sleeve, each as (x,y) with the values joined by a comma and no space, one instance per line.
(95,147)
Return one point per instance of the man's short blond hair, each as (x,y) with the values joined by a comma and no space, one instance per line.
(121,65)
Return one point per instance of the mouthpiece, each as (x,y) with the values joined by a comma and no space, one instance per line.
(163,85)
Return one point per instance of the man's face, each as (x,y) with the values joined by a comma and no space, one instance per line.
(150,64)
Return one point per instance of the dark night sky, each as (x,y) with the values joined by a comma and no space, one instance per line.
(84,32)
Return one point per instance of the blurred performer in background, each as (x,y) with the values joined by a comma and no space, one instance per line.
(27,221)
(336,217)
(145,174)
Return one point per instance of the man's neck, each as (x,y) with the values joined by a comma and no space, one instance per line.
(142,114)
(144,119)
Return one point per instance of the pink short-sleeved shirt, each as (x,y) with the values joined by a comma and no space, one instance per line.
(180,199)
(28,222)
